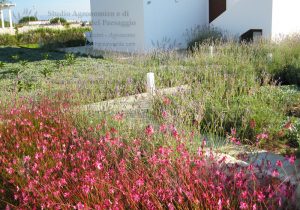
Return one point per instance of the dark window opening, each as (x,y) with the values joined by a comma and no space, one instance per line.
(251,35)
(216,8)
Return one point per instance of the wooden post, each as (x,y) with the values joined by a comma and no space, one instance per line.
(150,83)
(211,51)
(270,57)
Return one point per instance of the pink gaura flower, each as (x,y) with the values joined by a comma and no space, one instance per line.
(275,173)
(26,159)
(66,194)
(171,206)
(260,196)
(234,140)
(139,182)
(149,130)
(136,197)
(243,205)
(47,135)
(279,163)
(166,101)
(244,194)
(79,206)
(164,114)
(10,171)
(262,136)
(163,128)
(200,152)
(119,117)
(175,133)
(86,189)
(254,207)
(279,202)
(233,131)
(99,165)
(291,159)
(220,207)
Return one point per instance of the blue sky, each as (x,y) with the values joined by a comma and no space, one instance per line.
(49,8)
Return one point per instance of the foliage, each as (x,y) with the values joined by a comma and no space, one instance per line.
(47,38)
(50,38)
(70,58)
(203,34)
(286,61)
(26,19)
(58,20)
(8,40)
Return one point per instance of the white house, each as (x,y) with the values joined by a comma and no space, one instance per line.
(143,25)
(272,18)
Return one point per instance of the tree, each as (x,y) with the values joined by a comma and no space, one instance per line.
(58,20)
(27,19)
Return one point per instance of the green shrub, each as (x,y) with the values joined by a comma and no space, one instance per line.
(58,20)
(70,59)
(286,61)
(47,38)
(27,19)
(53,38)
(8,40)
(203,34)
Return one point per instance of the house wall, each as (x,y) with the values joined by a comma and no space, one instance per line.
(166,21)
(243,15)
(118,25)
(286,18)
(231,3)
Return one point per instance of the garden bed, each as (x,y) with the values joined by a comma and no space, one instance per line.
(105,159)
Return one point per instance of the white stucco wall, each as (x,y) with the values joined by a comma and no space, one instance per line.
(158,23)
(243,15)
(118,25)
(231,3)
(166,21)
(286,18)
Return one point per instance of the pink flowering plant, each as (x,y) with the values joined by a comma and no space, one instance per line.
(46,162)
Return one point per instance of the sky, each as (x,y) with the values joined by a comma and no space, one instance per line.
(45,9)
